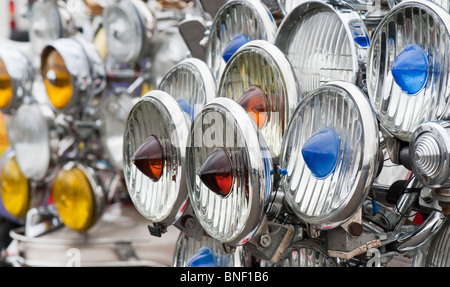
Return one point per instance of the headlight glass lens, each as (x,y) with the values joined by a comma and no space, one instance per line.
(30,138)
(305,254)
(74,199)
(126,25)
(57,79)
(15,189)
(407,68)
(330,152)
(261,79)
(45,24)
(439,252)
(6,91)
(154,146)
(324,42)
(114,113)
(192,85)
(227,173)
(236,23)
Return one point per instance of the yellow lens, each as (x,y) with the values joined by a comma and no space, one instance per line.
(73,196)
(57,79)
(6,92)
(15,189)
(4,142)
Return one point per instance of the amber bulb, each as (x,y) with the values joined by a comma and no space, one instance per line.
(149,158)
(254,101)
(216,172)
(6,91)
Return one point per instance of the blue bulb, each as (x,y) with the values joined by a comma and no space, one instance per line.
(410,69)
(321,151)
(205,257)
(234,45)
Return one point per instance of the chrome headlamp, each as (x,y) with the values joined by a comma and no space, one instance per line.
(438,252)
(130,28)
(113,115)
(330,151)
(324,42)
(228,172)
(48,21)
(443,3)
(78,195)
(269,97)
(32,135)
(73,73)
(16,79)
(407,73)
(191,84)
(154,155)
(236,23)
(206,252)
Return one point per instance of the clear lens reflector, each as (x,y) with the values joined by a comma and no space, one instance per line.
(157,126)
(407,71)
(324,42)
(330,151)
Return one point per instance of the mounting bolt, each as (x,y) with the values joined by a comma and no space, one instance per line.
(265,240)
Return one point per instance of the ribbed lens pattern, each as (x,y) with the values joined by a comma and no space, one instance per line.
(222,217)
(31,141)
(398,111)
(154,200)
(237,18)
(255,67)
(124,32)
(187,247)
(427,155)
(439,253)
(310,198)
(186,85)
(305,256)
(320,51)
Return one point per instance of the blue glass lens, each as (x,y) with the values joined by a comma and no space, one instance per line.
(234,45)
(205,257)
(321,151)
(410,69)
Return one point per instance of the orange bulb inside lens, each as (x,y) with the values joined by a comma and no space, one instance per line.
(149,158)
(57,79)
(254,101)
(6,91)
(216,172)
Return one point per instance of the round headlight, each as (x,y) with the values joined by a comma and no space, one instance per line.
(324,42)
(306,253)
(78,197)
(430,153)
(330,151)
(72,70)
(438,252)
(407,71)
(16,78)
(443,3)
(15,188)
(228,172)
(4,141)
(31,137)
(48,21)
(192,85)
(206,252)
(130,27)
(113,114)
(236,23)
(154,154)
(269,97)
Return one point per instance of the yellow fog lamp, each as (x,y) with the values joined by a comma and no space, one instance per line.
(15,188)
(16,78)
(78,196)
(72,71)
